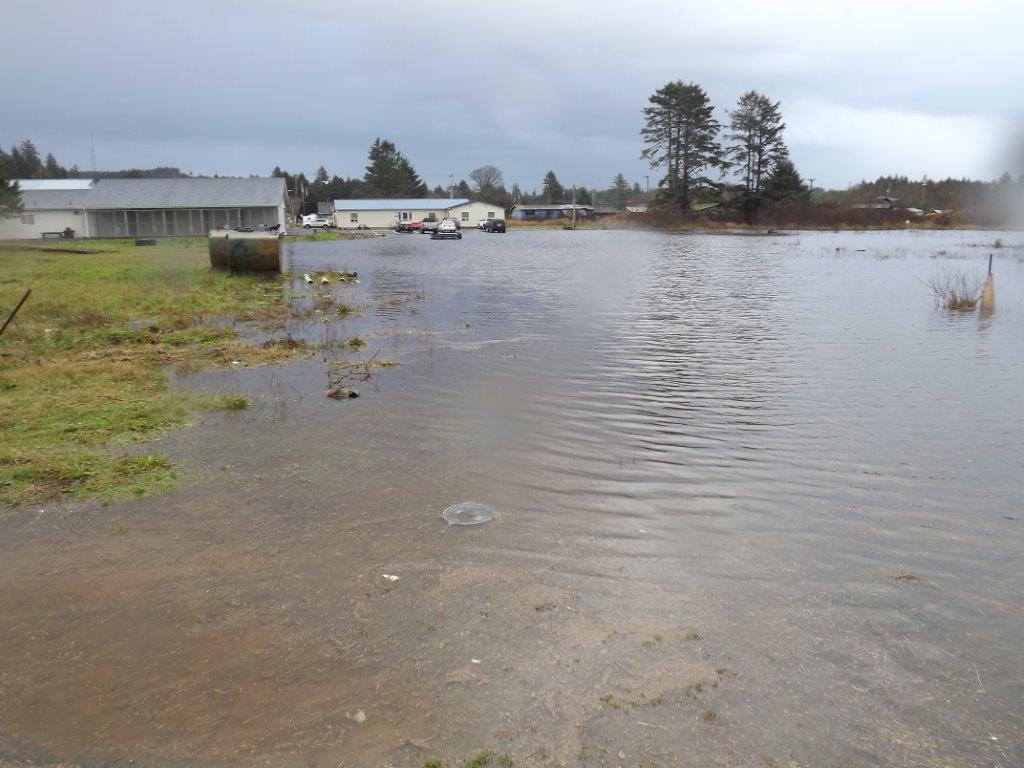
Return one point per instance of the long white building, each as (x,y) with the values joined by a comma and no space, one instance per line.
(384,214)
(143,207)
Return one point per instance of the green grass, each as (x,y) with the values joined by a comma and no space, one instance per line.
(488,759)
(83,367)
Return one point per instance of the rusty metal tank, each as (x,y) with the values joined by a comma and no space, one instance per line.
(241,251)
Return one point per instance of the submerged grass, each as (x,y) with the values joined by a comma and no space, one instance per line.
(956,290)
(84,365)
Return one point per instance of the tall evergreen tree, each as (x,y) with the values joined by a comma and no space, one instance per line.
(517,194)
(681,134)
(755,128)
(53,169)
(390,174)
(784,183)
(462,189)
(553,191)
(619,191)
(10,195)
(31,165)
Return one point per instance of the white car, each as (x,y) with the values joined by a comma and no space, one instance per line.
(480,224)
(448,229)
(315,221)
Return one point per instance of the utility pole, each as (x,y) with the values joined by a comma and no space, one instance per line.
(451,186)
(810,188)
(574,206)
(647,180)
(924,186)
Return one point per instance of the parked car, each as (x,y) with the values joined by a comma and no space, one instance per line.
(448,229)
(494,225)
(429,224)
(403,226)
(316,220)
(480,224)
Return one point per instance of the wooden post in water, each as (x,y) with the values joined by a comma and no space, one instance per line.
(988,295)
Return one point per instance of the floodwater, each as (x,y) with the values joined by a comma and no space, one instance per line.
(758,503)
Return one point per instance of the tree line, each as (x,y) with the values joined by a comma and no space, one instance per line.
(390,174)
(683,137)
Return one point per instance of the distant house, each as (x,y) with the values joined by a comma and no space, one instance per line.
(144,207)
(636,208)
(385,213)
(880,203)
(532,212)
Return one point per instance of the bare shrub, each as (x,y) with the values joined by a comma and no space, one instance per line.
(954,289)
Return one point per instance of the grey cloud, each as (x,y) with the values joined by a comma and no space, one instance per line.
(237,87)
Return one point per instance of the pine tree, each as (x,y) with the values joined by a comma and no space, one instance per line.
(553,191)
(681,135)
(755,128)
(10,195)
(784,183)
(517,193)
(321,175)
(619,191)
(463,190)
(390,174)
(410,184)
(32,166)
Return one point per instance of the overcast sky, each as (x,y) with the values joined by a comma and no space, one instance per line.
(867,88)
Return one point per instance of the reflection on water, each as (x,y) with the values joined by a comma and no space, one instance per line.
(758,500)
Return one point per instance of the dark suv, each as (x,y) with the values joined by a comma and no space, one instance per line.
(494,225)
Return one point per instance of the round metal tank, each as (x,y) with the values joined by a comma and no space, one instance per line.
(245,251)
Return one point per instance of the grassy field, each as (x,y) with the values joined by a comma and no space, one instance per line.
(84,365)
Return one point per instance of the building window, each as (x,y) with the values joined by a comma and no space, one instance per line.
(406,215)
(28,219)
(465,215)
(353,217)
(490,214)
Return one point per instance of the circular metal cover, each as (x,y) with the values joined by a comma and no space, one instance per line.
(468,513)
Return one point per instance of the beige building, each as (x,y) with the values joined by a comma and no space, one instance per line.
(143,207)
(384,214)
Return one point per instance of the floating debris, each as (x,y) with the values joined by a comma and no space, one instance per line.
(390,577)
(342,393)
(468,513)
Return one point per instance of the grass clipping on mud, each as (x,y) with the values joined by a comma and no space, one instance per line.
(84,365)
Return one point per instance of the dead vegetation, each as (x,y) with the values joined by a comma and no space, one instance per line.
(956,290)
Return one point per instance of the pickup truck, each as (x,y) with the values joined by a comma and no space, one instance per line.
(429,224)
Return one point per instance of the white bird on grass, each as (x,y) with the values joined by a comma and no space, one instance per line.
(306,278)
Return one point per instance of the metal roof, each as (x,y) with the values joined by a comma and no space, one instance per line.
(547,207)
(400,204)
(161,193)
(43,184)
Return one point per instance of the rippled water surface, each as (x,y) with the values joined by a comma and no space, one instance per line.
(758,502)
